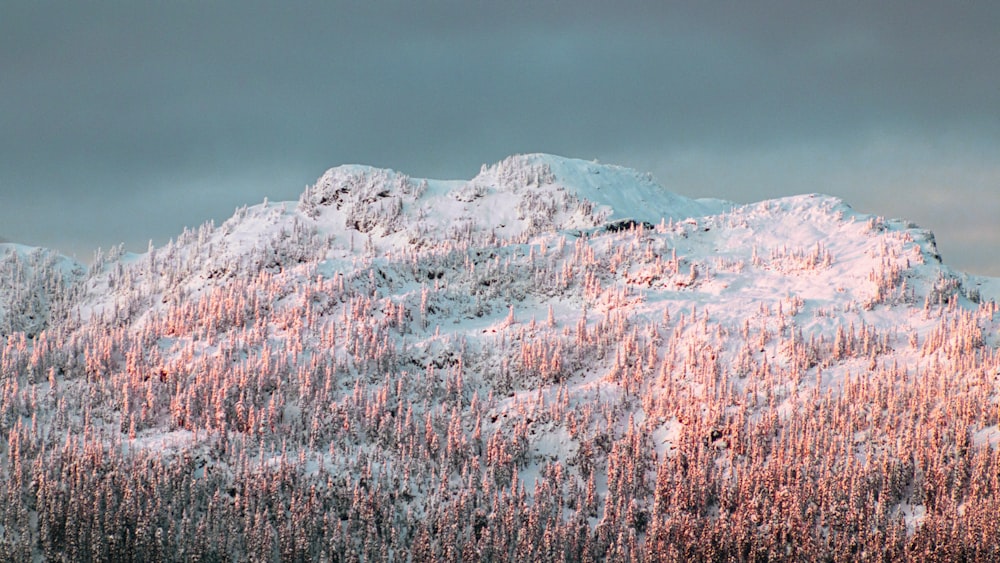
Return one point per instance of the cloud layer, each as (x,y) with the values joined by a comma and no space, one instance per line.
(127,121)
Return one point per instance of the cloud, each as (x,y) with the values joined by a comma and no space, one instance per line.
(111,109)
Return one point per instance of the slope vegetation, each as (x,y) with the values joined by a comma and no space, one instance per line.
(555,360)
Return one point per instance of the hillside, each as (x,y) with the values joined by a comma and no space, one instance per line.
(554,360)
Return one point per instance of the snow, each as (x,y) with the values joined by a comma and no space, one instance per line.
(626,193)
(678,314)
(34,283)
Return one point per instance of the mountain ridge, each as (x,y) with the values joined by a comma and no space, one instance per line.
(553,349)
(389,211)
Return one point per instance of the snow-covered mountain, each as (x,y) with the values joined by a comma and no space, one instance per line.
(35,286)
(554,360)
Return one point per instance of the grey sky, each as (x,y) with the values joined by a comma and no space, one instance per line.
(125,121)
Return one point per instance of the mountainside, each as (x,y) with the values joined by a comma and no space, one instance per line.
(555,360)
(35,285)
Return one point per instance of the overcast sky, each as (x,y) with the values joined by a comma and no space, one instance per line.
(126,121)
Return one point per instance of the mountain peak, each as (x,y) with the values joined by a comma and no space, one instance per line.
(553,355)
(518,196)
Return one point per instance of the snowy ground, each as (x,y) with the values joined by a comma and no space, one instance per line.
(570,324)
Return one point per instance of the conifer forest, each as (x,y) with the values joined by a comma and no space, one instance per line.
(556,360)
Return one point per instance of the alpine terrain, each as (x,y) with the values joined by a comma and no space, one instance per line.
(556,360)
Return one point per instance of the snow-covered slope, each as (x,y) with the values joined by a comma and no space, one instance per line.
(554,359)
(35,285)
